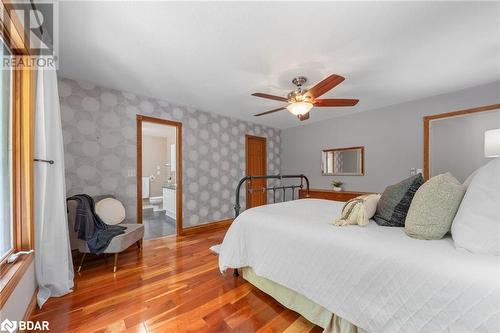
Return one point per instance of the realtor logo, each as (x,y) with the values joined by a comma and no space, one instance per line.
(35,22)
(12,326)
(8,326)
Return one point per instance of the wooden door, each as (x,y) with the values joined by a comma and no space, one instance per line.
(256,165)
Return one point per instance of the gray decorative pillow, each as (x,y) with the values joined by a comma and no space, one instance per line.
(395,202)
(434,207)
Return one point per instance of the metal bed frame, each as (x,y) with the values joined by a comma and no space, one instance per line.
(283,188)
(237,206)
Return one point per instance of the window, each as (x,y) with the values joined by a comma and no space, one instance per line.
(17,100)
(6,202)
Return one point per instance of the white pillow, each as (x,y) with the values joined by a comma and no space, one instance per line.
(110,210)
(476,226)
(467,182)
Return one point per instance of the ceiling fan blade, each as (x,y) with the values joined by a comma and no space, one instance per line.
(336,102)
(270,111)
(325,85)
(276,98)
(304,117)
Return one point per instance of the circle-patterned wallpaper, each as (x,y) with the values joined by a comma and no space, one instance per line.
(99,131)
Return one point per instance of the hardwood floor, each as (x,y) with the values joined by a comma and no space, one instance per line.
(173,286)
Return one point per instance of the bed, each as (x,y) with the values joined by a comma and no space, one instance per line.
(376,278)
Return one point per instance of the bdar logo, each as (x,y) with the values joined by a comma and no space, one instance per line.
(9,326)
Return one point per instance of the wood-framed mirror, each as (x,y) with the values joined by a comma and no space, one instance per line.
(343,161)
(456,142)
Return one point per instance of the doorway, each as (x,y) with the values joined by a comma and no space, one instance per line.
(256,165)
(159,176)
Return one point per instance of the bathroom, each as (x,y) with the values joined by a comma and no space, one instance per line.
(159,163)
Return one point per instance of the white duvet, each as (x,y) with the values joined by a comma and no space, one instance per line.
(376,277)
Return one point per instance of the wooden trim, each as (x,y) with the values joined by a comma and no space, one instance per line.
(12,30)
(426,149)
(139,168)
(347,148)
(23,170)
(11,275)
(428,119)
(248,136)
(178,170)
(178,179)
(363,160)
(463,112)
(23,109)
(330,194)
(25,232)
(362,148)
(207,227)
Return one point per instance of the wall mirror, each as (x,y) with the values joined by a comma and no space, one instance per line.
(460,142)
(343,161)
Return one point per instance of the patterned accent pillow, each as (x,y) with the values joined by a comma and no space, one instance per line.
(434,207)
(358,210)
(395,202)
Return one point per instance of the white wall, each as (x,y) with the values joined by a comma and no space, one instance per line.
(392,137)
(457,143)
(16,305)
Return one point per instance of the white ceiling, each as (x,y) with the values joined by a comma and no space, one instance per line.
(212,56)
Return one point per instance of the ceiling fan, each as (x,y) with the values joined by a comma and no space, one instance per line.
(301,101)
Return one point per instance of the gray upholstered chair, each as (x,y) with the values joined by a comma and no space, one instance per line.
(133,234)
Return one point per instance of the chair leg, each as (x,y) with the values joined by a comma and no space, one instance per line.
(81,262)
(116,262)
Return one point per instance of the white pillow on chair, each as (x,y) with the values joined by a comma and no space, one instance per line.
(110,210)
(476,226)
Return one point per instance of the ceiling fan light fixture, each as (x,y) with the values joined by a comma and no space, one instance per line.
(301,101)
(299,108)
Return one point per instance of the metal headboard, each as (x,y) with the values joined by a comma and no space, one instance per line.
(237,206)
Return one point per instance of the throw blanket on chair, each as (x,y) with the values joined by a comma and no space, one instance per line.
(91,228)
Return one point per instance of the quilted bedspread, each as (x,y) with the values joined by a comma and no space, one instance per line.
(376,277)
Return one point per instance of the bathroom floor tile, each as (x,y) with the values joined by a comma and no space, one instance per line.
(158,225)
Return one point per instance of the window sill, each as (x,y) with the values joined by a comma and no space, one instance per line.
(11,274)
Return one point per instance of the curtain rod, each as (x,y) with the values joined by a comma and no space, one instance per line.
(42,160)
